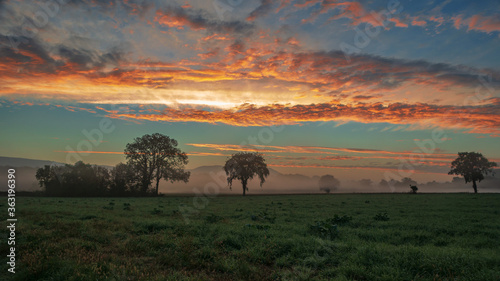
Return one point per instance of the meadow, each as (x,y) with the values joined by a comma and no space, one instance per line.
(285,237)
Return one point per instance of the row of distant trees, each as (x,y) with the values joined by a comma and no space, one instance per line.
(472,166)
(150,159)
(328,183)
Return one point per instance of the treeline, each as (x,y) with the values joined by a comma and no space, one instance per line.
(150,159)
(87,180)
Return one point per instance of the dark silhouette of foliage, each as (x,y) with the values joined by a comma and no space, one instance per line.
(74,180)
(49,179)
(156,157)
(243,166)
(473,166)
(124,180)
(328,183)
(414,189)
(151,157)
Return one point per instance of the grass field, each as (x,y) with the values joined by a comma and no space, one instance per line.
(289,237)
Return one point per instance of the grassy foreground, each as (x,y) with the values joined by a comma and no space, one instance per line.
(292,237)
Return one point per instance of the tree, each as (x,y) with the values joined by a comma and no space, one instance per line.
(102,179)
(155,157)
(84,179)
(49,178)
(123,180)
(328,183)
(472,166)
(414,189)
(243,166)
(74,180)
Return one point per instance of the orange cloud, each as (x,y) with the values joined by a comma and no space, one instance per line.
(484,23)
(180,18)
(478,119)
(305,4)
(266,66)
(398,22)
(176,21)
(357,13)
(210,54)
(457,21)
(283,4)
(437,19)
(229,147)
(418,22)
(480,23)
(206,154)
(414,156)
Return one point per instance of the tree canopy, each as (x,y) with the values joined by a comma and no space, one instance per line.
(156,157)
(473,166)
(243,166)
(79,179)
(328,183)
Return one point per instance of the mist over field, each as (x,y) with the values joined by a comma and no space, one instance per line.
(213,180)
(206,178)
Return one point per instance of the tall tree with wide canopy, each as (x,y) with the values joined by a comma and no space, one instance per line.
(328,183)
(155,157)
(243,166)
(472,166)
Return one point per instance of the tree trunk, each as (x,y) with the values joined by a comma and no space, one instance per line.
(474,186)
(244,183)
(157,184)
(158,177)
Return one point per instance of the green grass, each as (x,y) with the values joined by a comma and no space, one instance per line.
(293,237)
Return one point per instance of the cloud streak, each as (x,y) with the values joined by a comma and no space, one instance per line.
(483,119)
(180,18)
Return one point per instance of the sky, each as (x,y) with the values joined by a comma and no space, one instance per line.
(356,89)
